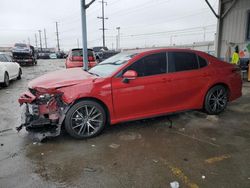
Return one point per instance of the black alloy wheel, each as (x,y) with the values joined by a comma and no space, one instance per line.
(85,119)
(216,100)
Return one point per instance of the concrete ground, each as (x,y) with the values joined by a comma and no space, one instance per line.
(198,151)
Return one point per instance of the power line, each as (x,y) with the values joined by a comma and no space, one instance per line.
(40,37)
(45,38)
(36,40)
(103,23)
(57,37)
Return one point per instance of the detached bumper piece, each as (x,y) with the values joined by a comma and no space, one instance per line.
(41,118)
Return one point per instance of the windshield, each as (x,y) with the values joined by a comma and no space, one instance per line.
(112,64)
(20,45)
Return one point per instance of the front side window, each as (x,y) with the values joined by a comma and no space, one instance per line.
(2,58)
(182,61)
(150,65)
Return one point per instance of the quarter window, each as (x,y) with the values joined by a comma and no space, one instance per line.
(150,65)
(182,61)
(202,62)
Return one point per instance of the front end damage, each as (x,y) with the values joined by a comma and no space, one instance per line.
(42,113)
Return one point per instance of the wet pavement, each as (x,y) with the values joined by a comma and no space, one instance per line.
(198,151)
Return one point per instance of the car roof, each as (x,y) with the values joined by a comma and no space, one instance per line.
(152,50)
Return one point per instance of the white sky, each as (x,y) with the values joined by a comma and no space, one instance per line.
(143,22)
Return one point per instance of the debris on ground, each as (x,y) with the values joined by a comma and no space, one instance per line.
(181,129)
(130,136)
(203,177)
(212,118)
(88,169)
(155,161)
(34,143)
(93,145)
(114,146)
(42,153)
(1,144)
(174,184)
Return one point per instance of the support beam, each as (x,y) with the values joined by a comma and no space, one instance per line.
(212,9)
(84,33)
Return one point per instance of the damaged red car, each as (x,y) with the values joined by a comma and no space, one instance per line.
(128,86)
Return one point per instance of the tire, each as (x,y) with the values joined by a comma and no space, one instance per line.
(216,100)
(19,74)
(85,119)
(6,82)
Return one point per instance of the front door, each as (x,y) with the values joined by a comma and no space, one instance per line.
(147,94)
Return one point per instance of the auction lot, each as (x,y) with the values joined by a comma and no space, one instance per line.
(198,151)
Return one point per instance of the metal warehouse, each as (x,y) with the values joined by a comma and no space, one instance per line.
(233,28)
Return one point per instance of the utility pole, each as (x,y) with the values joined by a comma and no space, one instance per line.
(40,37)
(36,40)
(57,37)
(118,38)
(84,32)
(78,43)
(103,23)
(45,38)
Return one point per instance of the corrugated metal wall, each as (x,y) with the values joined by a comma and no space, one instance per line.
(234,26)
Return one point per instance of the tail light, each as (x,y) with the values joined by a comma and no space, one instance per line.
(91,58)
(236,69)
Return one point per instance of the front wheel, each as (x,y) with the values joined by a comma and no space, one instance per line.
(85,119)
(216,100)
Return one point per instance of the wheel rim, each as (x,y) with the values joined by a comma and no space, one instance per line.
(218,100)
(86,120)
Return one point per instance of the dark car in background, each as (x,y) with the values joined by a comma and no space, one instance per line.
(75,58)
(24,54)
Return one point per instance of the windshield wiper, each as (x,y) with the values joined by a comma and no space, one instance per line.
(93,74)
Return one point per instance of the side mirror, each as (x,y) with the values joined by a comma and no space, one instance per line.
(129,75)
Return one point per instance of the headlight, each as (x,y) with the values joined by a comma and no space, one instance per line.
(45,97)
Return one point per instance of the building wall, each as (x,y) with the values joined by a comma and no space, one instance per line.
(234,28)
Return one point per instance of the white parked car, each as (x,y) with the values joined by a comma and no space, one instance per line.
(9,70)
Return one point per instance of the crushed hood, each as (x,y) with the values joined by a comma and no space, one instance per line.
(61,78)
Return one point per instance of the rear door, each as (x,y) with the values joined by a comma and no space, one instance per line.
(189,79)
(147,94)
(12,66)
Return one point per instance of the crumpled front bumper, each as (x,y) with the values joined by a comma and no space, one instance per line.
(41,119)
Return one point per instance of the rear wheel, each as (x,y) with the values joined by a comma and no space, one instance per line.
(216,100)
(85,119)
(6,82)
(19,74)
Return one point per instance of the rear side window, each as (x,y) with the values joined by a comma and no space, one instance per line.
(182,61)
(79,53)
(202,62)
(150,65)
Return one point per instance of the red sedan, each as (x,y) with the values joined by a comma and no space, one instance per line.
(75,58)
(129,86)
